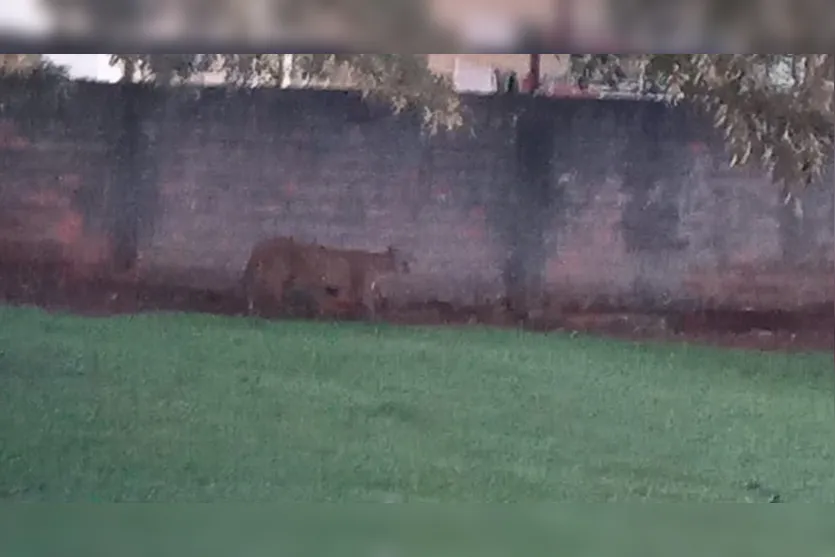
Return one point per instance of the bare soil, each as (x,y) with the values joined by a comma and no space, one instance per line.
(810,328)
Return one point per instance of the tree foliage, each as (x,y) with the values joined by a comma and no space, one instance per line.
(401,80)
(29,81)
(774,109)
(26,65)
(19,63)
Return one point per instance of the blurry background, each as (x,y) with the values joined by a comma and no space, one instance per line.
(595,25)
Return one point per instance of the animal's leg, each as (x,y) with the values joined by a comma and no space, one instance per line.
(247,284)
(371,299)
(250,299)
(255,296)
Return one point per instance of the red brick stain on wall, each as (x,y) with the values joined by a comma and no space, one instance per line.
(39,222)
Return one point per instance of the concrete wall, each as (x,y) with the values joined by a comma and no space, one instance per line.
(637,203)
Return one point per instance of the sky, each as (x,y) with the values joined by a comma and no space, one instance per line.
(87,66)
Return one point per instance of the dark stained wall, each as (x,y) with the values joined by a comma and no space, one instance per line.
(634,200)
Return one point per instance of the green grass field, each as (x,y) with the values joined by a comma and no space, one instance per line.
(202,408)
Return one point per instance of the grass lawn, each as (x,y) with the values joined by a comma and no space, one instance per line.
(203,408)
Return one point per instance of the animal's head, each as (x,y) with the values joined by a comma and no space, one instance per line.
(400,262)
